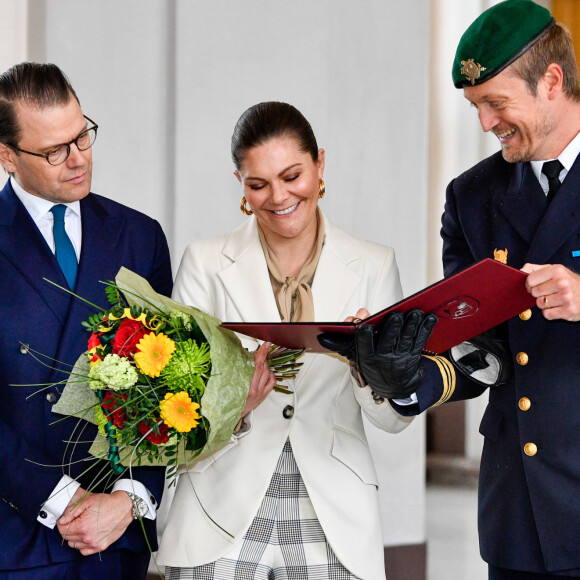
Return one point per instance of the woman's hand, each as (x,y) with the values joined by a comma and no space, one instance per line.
(263,380)
(361,314)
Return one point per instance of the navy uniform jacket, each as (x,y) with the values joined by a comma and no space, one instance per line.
(529,506)
(34,312)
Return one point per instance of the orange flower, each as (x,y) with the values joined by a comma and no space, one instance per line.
(179,411)
(154,352)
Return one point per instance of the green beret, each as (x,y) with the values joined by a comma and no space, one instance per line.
(497,38)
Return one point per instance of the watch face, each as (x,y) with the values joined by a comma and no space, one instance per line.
(140,508)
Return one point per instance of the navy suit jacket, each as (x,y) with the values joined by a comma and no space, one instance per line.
(529,507)
(34,312)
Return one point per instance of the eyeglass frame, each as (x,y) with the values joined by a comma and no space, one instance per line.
(67,145)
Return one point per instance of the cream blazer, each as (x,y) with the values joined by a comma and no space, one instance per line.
(216,500)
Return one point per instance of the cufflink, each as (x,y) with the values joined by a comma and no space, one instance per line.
(42,514)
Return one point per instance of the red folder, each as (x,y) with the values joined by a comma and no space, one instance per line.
(466,304)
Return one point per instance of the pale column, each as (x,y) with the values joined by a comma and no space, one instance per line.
(13,32)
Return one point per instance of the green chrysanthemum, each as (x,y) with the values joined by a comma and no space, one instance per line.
(187,368)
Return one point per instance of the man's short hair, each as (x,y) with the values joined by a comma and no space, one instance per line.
(38,85)
(554,47)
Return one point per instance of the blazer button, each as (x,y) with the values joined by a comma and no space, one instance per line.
(524,404)
(43,514)
(288,412)
(526,314)
(52,398)
(24,348)
(530,449)
(522,358)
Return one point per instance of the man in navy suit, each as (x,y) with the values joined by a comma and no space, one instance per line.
(516,66)
(51,528)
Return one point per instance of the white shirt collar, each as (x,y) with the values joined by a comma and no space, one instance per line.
(38,207)
(566,158)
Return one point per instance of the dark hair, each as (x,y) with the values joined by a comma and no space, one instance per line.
(39,85)
(265,121)
(555,46)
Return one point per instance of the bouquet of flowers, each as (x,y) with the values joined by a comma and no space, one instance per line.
(164,383)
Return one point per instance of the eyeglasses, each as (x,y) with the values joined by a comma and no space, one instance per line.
(61,153)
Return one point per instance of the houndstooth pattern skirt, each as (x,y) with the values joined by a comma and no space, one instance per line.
(284,542)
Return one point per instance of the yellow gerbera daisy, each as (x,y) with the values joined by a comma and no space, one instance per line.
(179,411)
(154,352)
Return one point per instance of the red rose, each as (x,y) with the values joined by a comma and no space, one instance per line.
(113,411)
(163,437)
(130,332)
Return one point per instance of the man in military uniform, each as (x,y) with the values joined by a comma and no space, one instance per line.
(516,66)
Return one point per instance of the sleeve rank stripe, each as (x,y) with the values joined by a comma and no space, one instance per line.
(448,377)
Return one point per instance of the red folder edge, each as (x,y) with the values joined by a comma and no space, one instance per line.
(466,304)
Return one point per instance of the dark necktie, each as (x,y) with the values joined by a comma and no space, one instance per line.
(552,169)
(64,250)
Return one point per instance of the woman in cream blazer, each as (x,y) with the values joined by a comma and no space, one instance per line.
(217,499)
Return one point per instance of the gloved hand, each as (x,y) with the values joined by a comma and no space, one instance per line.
(486,358)
(389,359)
(343,344)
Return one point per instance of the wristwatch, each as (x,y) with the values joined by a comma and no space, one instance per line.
(140,508)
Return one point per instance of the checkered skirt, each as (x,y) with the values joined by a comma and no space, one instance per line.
(284,542)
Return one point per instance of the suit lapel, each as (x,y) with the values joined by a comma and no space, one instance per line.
(524,202)
(560,220)
(101,233)
(245,276)
(336,278)
(24,246)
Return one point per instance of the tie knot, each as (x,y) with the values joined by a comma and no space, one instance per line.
(552,169)
(58,212)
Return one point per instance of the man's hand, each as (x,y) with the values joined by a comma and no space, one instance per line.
(390,359)
(556,290)
(93,521)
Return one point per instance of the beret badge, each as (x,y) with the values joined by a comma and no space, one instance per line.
(471,69)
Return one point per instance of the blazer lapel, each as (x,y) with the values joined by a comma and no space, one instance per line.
(245,275)
(27,250)
(336,276)
(524,202)
(560,219)
(101,233)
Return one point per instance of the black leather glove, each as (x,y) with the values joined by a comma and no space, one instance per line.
(390,359)
(486,358)
(343,344)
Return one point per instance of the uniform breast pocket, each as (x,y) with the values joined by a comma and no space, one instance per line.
(355,454)
(491,421)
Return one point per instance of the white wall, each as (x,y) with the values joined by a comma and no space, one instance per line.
(166,82)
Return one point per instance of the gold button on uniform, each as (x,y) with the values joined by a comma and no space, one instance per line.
(530,449)
(522,358)
(526,314)
(524,404)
